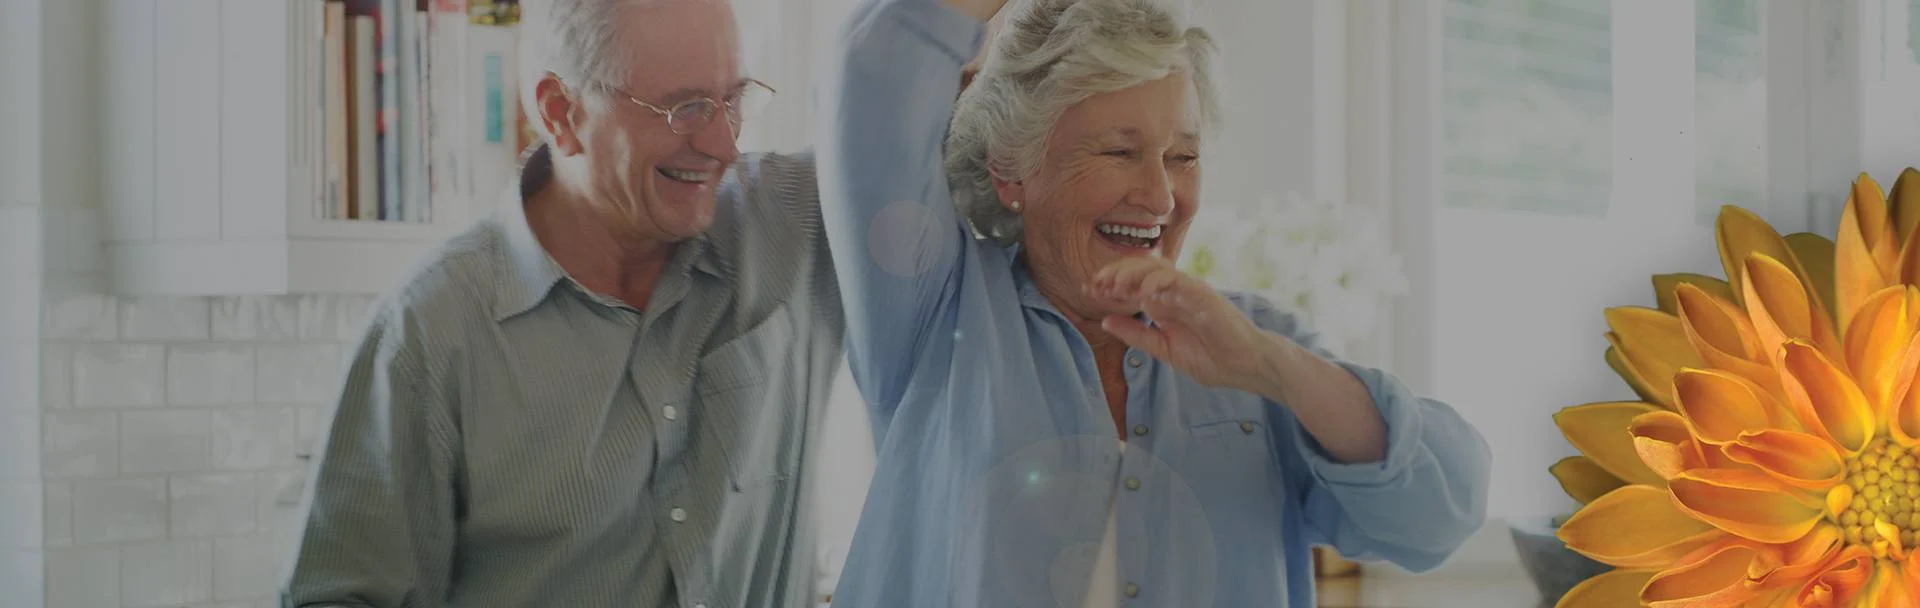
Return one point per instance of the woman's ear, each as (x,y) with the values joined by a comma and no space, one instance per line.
(1013,194)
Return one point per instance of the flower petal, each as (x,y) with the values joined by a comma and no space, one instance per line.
(1749,504)
(1665,442)
(1826,400)
(1721,405)
(1611,589)
(1640,386)
(1798,459)
(1716,322)
(1636,527)
(1724,337)
(1600,431)
(1864,254)
(1583,480)
(1740,234)
(1903,203)
(1877,340)
(1664,286)
(1781,310)
(1903,419)
(1790,565)
(1718,580)
(1887,590)
(1840,582)
(1815,253)
(1654,344)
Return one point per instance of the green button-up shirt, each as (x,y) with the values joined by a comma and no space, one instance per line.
(507,437)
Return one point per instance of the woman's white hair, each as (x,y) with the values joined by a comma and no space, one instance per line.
(1050,55)
(577,40)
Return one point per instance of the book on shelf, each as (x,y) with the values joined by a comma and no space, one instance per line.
(406,104)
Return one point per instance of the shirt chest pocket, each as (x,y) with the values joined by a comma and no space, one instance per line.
(752,410)
(1230,444)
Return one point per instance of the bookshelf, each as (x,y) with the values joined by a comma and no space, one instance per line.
(231,166)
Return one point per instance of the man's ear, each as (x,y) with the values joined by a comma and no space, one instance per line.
(558,113)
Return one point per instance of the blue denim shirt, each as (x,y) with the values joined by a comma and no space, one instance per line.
(997,456)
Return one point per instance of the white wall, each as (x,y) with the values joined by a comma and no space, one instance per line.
(22,556)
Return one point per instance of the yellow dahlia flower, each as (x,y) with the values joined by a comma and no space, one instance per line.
(1772,457)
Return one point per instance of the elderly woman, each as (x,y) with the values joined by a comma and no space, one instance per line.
(1062,417)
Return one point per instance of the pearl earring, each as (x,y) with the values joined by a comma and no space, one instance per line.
(1016,206)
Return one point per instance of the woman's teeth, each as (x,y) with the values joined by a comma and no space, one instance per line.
(1130,236)
(691,177)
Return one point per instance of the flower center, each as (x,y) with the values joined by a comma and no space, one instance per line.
(1886,488)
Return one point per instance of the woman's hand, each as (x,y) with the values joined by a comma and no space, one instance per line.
(1195,329)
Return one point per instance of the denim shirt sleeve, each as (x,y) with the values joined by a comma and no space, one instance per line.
(1415,506)
(891,225)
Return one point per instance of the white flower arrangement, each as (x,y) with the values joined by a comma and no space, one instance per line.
(1331,263)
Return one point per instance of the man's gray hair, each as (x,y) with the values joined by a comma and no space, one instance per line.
(1050,55)
(578,40)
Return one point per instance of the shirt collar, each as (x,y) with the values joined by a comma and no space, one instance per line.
(531,271)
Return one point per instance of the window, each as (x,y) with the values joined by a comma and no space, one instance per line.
(1527,100)
(1730,106)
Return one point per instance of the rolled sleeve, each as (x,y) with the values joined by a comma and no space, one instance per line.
(1403,435)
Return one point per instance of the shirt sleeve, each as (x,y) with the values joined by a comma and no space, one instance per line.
(1415,506)
(379,511)
(891,225)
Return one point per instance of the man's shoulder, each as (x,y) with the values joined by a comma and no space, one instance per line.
(455,280)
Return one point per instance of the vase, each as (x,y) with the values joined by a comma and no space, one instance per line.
(1553,567)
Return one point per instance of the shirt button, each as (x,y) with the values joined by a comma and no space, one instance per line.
(1246,427)
(678,514)
(670,412)
(1134,360)
(1140,430)
(1133,483)
(1132,590)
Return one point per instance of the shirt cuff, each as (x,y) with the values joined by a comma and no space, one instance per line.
(1398,408)
(939,23)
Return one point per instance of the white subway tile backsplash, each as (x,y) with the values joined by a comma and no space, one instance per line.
(119,510)
(255,439)
(78,443)
(166,573)
(314,420)
(214,505)
(83,577)
(119,375)
(244,567)
(297,373)
(22,509)
(259,318)
(280,494)
(165,318)
(333,317)
(56,375)
(81,316)
(20,445)
(165,441)
(209,374)
(58,513)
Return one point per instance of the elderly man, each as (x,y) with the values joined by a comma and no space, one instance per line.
(600,395)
